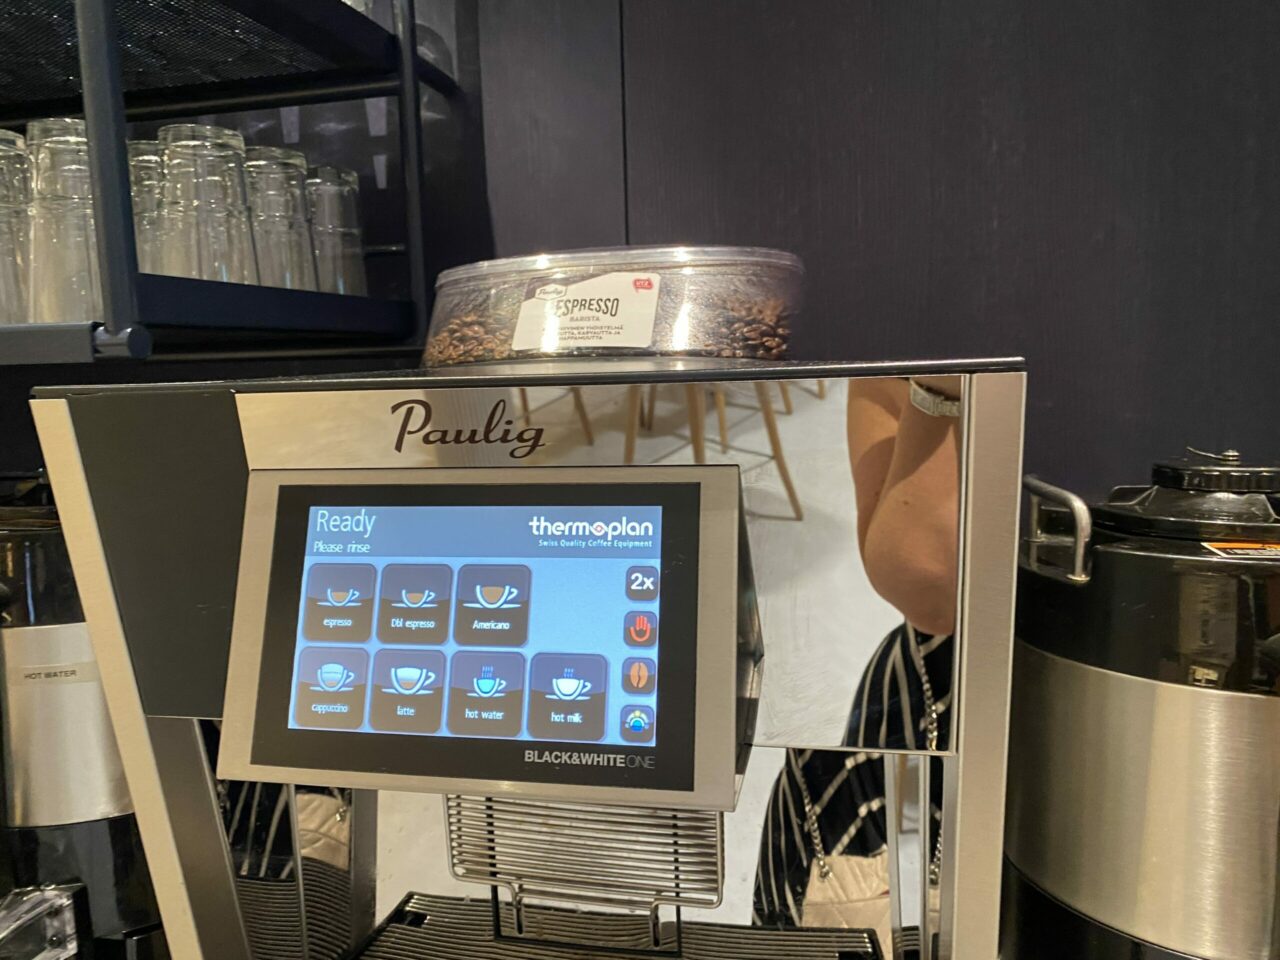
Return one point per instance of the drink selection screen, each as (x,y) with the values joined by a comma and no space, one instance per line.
(510,622)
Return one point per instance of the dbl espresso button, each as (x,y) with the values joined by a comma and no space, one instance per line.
(492,605)
(329,688)
(339,602)
(414,603)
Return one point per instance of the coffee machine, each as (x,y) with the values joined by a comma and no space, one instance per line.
(588,603)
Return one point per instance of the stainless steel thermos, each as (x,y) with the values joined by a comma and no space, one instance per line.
(67,814)
(1144,778)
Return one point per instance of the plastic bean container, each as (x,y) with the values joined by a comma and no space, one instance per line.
(736,302)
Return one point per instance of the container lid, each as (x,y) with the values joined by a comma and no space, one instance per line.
(1201,496)
(619,258)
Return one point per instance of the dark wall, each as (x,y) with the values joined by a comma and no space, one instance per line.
(1093,185)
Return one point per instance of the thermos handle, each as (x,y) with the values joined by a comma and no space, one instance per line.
(1081,522)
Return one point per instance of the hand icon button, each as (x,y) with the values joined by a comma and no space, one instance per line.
(640,629)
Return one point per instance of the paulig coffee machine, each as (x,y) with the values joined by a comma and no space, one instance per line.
(588,604)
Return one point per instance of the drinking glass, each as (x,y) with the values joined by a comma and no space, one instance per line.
(63,279)
(15,236)
(146,183)
(276,180)
(204,220)
(333,196)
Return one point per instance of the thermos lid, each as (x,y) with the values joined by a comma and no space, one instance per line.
(1200,496)
(1224,472)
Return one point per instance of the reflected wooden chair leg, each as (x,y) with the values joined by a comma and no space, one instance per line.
(580,406)
(524,406)
(697,421)
(822,389)
(775,442)
(785,389)
(717,392)
(634,401)
(647,419)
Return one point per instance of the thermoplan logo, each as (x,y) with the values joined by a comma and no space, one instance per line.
(542,527)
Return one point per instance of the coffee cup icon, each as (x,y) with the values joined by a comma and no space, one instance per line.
(417,598)
(487,685)
(494,596)
(569,687)
(334,678)
(408,679)
(342,598)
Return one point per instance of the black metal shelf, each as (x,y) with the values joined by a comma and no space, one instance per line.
(189,57)
(147,59)
(176,315)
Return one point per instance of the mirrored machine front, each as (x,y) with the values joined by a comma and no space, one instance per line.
(706,659)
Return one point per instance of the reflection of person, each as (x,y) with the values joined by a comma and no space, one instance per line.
(825,830)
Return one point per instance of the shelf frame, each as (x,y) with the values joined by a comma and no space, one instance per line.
(145,314)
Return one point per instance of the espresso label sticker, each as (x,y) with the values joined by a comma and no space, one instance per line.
(1257,551)
(613,310)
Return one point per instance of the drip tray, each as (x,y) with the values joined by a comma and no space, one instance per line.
(445,928)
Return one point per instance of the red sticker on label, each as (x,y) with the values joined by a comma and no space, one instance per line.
(642,283)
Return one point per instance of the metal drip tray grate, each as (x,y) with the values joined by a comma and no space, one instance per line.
(580,853)
(444,928)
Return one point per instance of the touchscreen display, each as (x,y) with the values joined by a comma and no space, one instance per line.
(469,621)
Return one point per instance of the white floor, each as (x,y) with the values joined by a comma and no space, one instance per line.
(821,620)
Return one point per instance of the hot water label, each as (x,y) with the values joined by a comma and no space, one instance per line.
(486,694)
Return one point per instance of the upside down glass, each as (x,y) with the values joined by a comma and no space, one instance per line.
(15,195)
(63,281)
(333,196)
(276,180)
(204,219)
(146,183)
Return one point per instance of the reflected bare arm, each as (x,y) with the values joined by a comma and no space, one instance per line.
(906,473)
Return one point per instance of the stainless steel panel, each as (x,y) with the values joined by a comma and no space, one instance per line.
(789,438)
(196,924)
(1152,808)
(61,764)
(974,779)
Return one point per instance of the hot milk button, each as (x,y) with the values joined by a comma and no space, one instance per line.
(567,694)
(491,608)
(339,602)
